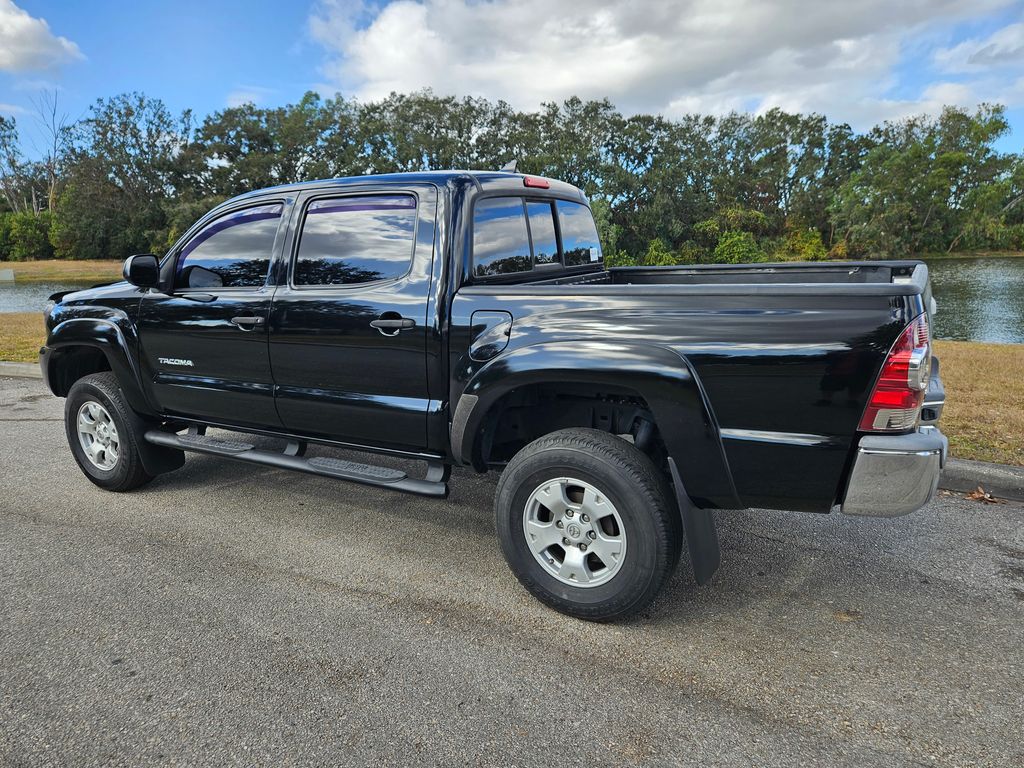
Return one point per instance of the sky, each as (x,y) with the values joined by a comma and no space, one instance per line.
(859,62)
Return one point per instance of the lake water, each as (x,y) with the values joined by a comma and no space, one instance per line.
(978,299)
(31,297)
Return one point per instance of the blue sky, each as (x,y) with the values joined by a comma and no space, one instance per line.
(858,62)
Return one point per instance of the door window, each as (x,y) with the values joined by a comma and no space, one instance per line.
(351,240)
(231,251)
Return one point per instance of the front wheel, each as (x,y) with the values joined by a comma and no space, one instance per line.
(102,435)
(587,524)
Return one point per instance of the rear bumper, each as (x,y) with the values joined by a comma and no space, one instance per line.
(895,475)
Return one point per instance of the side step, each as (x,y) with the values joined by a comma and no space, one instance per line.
(434,484)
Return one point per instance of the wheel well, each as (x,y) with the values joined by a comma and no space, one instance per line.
(69,364)
(521,416)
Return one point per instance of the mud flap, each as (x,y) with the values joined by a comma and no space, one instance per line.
(700,530)
(156,459)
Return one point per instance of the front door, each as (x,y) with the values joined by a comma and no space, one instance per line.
(350,331)
(204,344)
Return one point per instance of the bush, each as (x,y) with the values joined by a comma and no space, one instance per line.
(658,255)
(738,248)
(5,236)
(838,252)
(738,218)
(1015,237)
(691,252)
(29,236)
(801,244)
(707,231)
(619,259)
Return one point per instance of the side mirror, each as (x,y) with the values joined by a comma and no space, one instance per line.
(142,270)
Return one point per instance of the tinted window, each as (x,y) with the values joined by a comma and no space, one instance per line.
(542,229)
(500,241)
(579,234)
(233,250)
(350,240)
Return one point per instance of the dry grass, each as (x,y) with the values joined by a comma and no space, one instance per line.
(21,335)
(97,271)
(983,418)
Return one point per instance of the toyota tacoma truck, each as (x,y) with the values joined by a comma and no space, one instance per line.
(467,318)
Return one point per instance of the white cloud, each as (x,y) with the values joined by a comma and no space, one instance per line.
(1003,48)
(840,58)
(27,44)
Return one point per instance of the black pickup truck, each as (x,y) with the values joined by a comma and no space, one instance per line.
(467,318)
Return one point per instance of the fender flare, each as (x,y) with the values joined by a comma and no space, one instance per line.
(107,336)
(663,377)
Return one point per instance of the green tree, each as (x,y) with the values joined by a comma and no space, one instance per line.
(736,247)
(125,162)
(29,236)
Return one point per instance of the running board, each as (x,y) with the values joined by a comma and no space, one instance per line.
(434,484)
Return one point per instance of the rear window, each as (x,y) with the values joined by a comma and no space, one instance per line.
(359,239)
(580,244)
(542,230)
(512,235)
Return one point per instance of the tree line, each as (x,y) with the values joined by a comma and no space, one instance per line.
(131,176)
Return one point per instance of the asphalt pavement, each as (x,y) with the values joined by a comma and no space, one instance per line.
(225,615)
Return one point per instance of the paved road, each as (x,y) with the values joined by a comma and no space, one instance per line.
(226,616)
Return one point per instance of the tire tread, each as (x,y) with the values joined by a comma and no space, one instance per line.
(129,473)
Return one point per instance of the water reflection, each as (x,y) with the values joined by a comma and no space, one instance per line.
(979,299)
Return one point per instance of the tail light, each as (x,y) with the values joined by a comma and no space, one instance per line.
(895,403)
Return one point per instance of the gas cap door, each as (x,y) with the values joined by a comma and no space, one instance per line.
(490,329)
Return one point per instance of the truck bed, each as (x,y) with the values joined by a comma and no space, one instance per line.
(786,354)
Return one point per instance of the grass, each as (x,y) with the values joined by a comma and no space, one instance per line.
(53,270)
(983,418)
(21,335)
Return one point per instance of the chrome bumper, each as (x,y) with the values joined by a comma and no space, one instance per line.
(895,474)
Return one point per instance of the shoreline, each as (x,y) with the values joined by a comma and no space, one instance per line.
(970,255)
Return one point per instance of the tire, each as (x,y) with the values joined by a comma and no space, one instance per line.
(617,572)
(109,427)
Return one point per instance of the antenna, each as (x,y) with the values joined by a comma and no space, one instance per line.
(510,166)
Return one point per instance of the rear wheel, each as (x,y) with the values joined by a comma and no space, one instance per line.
(587,524)
(101,434)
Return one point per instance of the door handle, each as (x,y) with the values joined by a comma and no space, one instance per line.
(391,323)
(247,323)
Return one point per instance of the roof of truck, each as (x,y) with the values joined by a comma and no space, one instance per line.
(484,180)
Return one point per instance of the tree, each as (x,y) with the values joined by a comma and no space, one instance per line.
(735,247)
(130,176)
(123,164)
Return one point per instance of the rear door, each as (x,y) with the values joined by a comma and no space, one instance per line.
(204,344)
(350,331)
